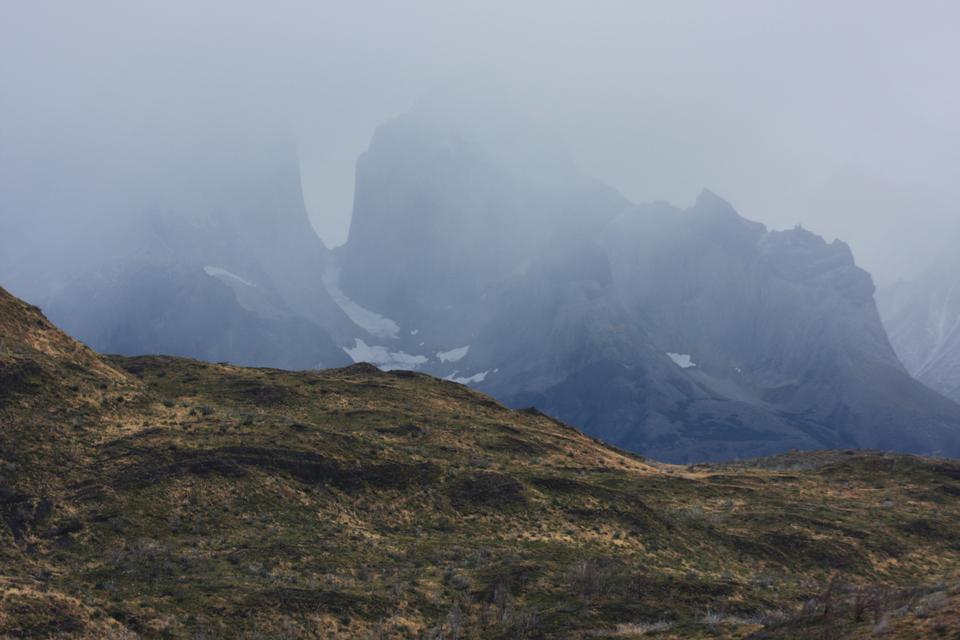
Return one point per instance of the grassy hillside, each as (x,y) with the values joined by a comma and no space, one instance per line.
(161,497)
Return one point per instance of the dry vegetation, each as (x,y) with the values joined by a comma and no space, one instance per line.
(167,498)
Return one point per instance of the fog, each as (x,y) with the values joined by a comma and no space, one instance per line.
(840,116)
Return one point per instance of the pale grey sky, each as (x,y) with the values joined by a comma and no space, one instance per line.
(840,115)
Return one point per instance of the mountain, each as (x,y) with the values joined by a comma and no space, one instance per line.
(478,252)
(681,334)
(443,210)
(212,256)
(922,316)
(155,496)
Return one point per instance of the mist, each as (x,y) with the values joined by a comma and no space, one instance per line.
(830,115)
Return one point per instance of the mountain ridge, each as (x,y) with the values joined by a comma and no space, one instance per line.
(479,252)
(779,329)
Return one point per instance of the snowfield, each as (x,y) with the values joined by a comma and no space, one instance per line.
(221,273)
(453,355)
(370,321)
(682,360)
(383,357)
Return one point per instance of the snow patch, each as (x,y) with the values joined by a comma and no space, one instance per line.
(454,354)
(370,321)
(477,377)
(383,357)
(221,273)
(682,360)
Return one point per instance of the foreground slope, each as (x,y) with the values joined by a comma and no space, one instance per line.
(163,497)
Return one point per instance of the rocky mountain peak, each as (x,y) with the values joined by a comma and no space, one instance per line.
(712,215)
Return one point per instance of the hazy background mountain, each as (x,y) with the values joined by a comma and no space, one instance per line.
(209,254)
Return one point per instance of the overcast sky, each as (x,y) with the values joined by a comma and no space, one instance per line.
(838,115)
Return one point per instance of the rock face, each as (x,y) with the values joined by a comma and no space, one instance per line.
(443,212)
(775,339)
(922,317)
(682,334)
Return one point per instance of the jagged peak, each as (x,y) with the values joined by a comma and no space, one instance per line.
(448,129)
(710,206)
(801,238)
(715,217)
(708,200)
